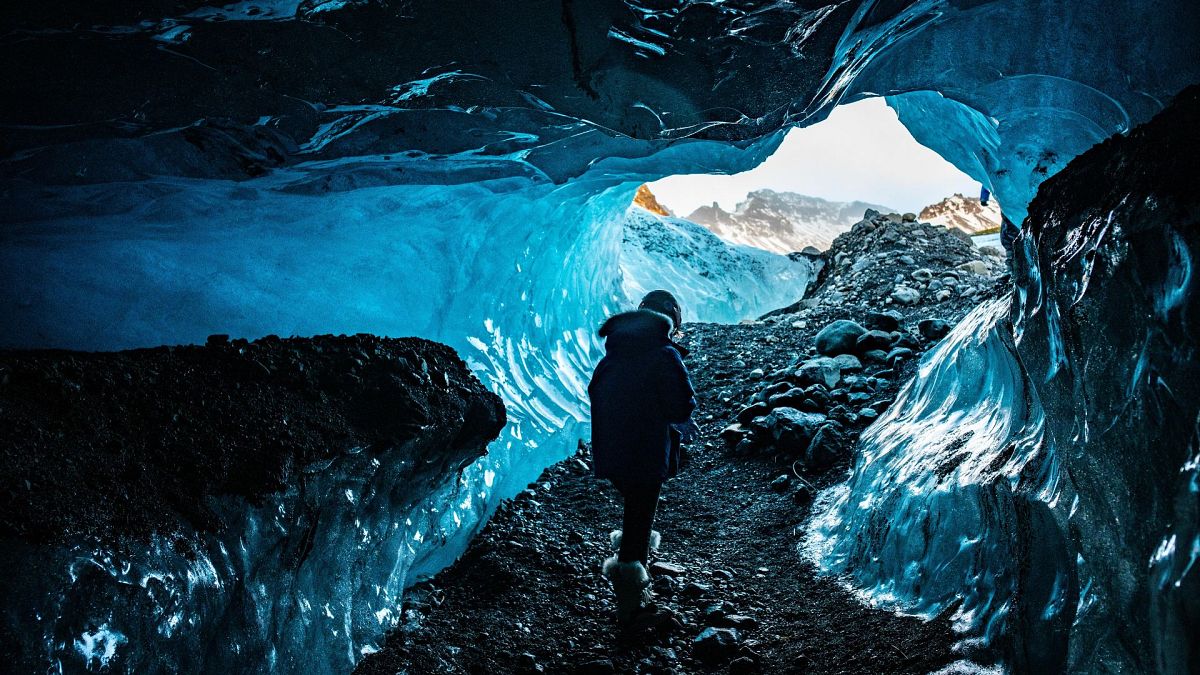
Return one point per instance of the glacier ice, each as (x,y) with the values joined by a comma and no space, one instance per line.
(461,171)
(1037,479)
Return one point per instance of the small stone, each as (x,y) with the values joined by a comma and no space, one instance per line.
(757,374)
(739,621)
(597,667)
(751,411)
(886,321)
(803,495)
(933,329)
(974,267)
(791,429)
(743,665)
(875,356)
(922,274)
(821,370)
(780,484)
(733,433)
(907,259)
(824,449)
(868,414)
(905,295)
(659,567)
(715,645)
(872,340)
(528,663)
(943,295)
(962,235)
(744,447)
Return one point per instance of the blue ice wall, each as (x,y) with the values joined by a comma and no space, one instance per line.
(1037,479)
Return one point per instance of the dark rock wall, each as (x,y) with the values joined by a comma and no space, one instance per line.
(1106,326)
(239,505)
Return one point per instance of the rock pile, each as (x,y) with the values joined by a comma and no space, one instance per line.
(804,410)
(893,260)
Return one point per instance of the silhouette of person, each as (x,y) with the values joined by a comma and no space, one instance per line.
(642,400)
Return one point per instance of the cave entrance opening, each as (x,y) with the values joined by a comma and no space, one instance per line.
(821,179)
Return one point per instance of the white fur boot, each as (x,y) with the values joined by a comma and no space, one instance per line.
(655,540)
(631,584)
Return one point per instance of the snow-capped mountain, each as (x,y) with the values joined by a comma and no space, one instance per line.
(782,222)
(965,213)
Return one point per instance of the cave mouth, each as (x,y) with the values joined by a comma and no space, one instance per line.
(821,179)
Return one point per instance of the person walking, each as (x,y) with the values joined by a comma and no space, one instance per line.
(642,400)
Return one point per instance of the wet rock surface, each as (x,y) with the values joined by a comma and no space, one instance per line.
(128,443)
(731,590)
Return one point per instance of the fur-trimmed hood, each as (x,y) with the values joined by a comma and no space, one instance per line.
(638,331)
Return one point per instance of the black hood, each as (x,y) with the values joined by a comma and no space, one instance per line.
(638,331)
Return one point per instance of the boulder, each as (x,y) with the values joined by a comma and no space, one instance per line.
(838,337)
(909,218)
(872,340)
(825,448)
(905,296)
(898,354)
(933,329)
(885,321)
(791,429)
(848,363)
(791,398)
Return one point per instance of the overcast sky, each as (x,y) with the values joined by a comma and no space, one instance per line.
(861,151)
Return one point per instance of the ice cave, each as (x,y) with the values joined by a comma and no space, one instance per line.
(181,183)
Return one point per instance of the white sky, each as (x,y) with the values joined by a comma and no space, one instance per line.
(861,151)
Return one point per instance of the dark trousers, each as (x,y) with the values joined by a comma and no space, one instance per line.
(641,501)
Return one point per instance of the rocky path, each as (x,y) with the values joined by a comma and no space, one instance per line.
(528,596)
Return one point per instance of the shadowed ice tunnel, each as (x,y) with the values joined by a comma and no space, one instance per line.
(460,171)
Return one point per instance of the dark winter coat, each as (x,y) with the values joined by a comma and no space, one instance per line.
(640,388)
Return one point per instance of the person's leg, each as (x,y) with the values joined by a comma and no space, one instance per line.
(641,502)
